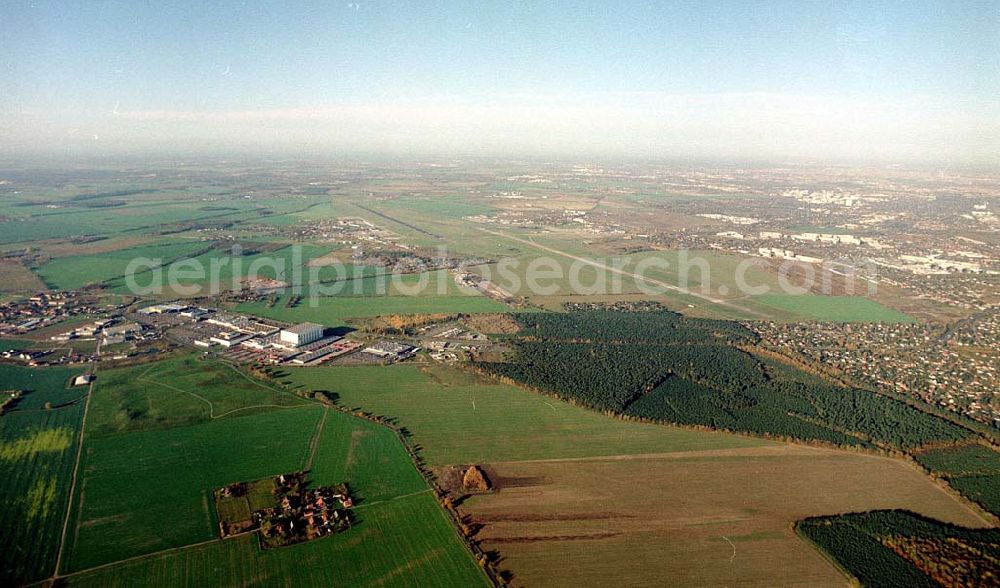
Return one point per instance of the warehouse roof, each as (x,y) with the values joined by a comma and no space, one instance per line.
(303,328)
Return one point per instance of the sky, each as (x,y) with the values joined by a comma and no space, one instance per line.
(812,80)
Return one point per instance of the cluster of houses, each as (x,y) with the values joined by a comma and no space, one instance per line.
(299,513)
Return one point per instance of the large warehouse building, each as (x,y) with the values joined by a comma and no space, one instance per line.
(301,334)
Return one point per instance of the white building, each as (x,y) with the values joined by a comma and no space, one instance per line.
(83,379)
(229,339)
(301,334)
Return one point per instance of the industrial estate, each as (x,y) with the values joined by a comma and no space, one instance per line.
(500,294)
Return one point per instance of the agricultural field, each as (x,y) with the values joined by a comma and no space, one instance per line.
(37,451)
(571,523)
(841,309)
(145,487)
(145,491)
(338,310)
(403,542)
(457,417)
(581,491)
(68,273)
(115,203)
(220,266)
(183,390)
(16,278)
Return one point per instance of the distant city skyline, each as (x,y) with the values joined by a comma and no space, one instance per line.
(859,81)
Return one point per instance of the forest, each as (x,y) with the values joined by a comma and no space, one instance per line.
(890,548)
(658,366)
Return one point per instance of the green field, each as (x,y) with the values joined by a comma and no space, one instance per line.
(337,310)
(841,309)
(147,491)
(37,450)
(457,418)
(368,456)
(225,271)
(146,206)
(404,542)
(180,391)
(154,456)
(68,273)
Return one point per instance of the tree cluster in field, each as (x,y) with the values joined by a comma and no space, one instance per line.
(660,366)
(901,548)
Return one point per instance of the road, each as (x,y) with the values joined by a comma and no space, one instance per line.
(76,464)
(632,275)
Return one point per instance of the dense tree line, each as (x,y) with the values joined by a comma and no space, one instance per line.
(756,410)
(660,366)
(659,326)
(984,490)
(605,377)
(973,470)
(860,543)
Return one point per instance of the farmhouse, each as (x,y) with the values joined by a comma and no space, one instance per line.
(301,334)
(283,509)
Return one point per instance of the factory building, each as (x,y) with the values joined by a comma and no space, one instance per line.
(301,334)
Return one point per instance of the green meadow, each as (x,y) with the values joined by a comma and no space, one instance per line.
(37,452)
(335,304)
(68,273)
(841,309)
(153,454)
(399,543)
(457,418)
(183,390)
(145,491)
(196,275)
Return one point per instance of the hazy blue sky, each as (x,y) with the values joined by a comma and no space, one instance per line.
(720,79)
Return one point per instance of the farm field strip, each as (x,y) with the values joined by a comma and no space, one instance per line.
(76,471)
(402,543)
(459,418)
(834,308)
(37,450)
(169,474)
